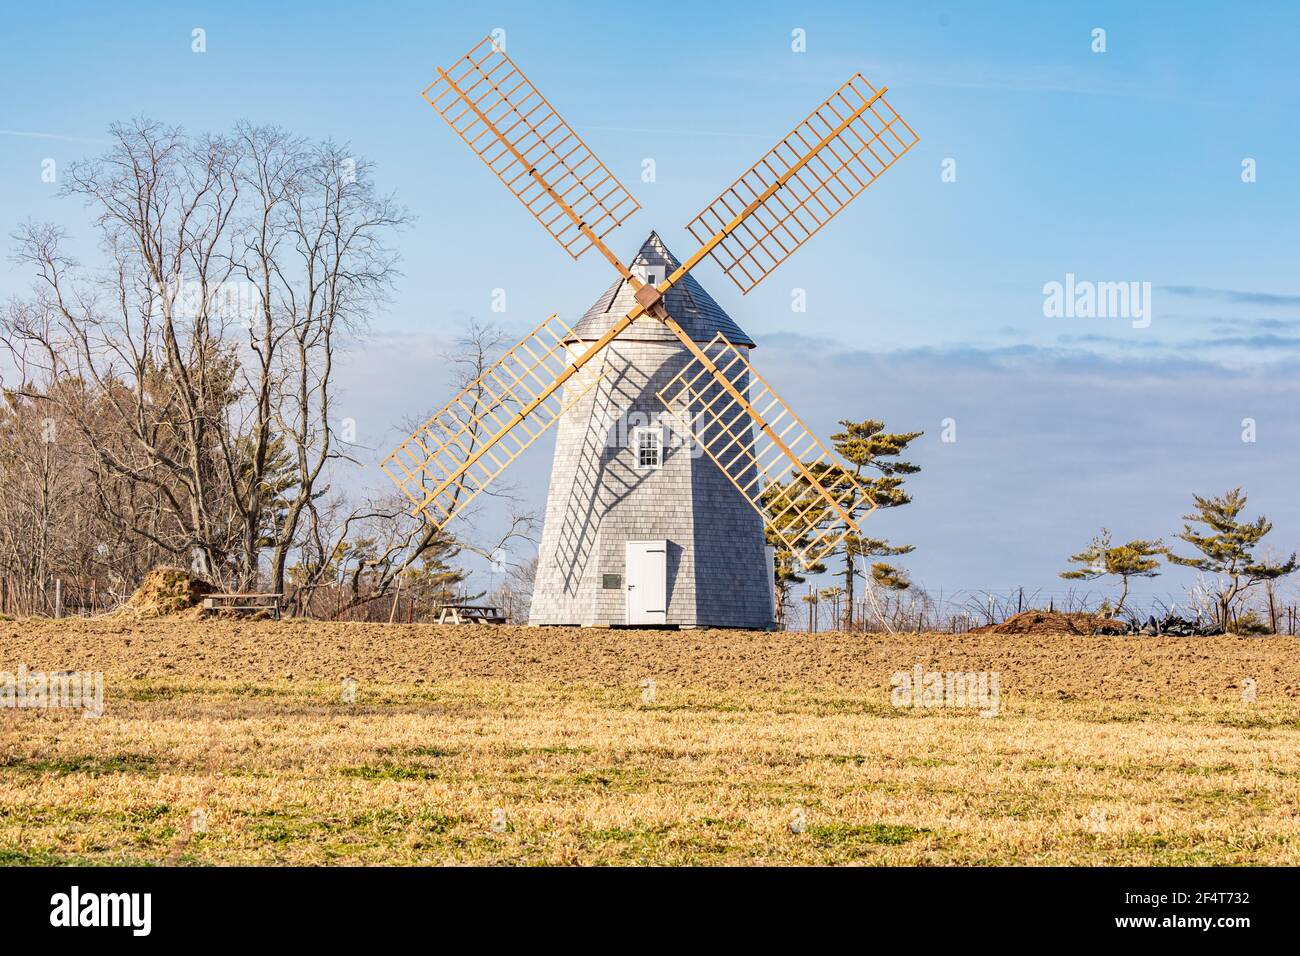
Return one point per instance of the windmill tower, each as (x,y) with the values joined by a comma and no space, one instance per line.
(641,527)
(672,454)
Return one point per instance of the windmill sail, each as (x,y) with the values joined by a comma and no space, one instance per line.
(509,125)
(452,457)
(803,182)
(810,501)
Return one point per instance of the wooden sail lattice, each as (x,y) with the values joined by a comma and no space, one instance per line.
(509,125)
(810,501)
(489,424)
(824,163)
(787,475)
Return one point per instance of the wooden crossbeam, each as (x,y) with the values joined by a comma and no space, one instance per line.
(459,450)
(783,471)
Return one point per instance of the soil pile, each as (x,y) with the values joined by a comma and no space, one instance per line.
(167,591)
(1055,622)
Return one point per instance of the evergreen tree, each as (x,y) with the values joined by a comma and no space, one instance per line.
(1227,546)
(1137,559)
(436,580)
(832,597)
(874,455)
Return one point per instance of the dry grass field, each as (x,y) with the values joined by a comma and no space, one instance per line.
(1104,750)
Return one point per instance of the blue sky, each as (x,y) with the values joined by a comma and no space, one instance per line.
(925,298)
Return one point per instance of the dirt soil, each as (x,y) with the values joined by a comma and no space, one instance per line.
(165,592)
(1053,666)
(1052,623)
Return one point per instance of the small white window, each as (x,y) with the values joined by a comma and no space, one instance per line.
(648,445)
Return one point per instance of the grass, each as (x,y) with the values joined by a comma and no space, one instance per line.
(93,765)
(849,834)
(389,771)
(711,773)
(584,777)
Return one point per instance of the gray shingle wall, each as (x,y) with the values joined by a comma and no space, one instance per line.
(599,499)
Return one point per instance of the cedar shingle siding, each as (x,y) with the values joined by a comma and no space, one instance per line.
(600,499)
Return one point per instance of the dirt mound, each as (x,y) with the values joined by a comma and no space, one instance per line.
(1054,622)
(166,591)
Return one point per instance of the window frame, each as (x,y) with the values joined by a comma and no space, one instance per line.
(657,434)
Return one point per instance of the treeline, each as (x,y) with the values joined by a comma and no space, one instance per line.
(175,402)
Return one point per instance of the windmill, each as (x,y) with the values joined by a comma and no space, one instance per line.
(665,524)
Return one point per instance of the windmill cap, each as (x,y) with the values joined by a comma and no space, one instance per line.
(687,302)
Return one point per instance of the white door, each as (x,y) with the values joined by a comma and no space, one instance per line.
(646,567)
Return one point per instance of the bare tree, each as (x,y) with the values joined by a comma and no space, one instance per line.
(385,545)
(515,593)
(192,376)
(313,251)
(130,341)
(196,367)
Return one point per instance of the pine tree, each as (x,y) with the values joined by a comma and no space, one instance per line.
(1227,548)
(1137,559)
(870,449)
(436,580)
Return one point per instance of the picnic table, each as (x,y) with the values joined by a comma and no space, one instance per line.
(469,614)
(248,603)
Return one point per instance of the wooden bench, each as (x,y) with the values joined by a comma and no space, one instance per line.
(469,614)
(247,603)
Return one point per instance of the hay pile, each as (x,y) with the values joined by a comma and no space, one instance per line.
(1055,623)
(166,591)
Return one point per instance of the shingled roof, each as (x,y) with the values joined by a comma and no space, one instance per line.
(687,302)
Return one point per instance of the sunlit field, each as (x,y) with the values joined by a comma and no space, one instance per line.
(234,742)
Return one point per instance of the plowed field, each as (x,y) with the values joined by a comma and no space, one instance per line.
(237,742)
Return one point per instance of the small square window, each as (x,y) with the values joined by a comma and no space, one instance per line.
(648,443)
(650,275)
